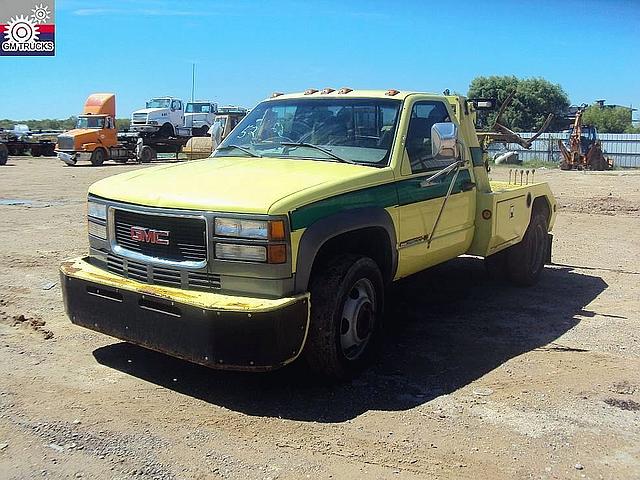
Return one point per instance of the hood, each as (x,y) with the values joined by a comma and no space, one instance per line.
(81,135)
(238,184)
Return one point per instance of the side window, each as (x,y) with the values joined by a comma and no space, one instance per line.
(423,116)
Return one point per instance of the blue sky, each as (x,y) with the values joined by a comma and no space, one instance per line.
(244,50)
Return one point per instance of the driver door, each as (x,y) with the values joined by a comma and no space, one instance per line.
(421,200)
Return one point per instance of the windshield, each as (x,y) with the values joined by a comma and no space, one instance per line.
(198,108)
(332,129)
(90,122)
(159,103)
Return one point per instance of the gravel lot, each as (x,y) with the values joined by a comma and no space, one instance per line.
(477,380)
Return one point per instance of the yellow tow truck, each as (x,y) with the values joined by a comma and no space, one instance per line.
(282,243)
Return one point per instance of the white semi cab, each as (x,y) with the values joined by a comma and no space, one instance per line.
(199,116)
(162,115)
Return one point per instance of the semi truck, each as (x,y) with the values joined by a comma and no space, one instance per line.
(162,116)
(97,139)
(280,247)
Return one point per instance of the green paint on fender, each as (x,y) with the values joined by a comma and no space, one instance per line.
(403,192)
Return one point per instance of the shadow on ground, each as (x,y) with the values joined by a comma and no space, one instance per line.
(449,327)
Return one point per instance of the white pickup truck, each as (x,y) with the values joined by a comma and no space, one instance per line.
(162,116)
(199,116)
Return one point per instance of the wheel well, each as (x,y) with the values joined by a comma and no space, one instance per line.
(372,242)
(541,204)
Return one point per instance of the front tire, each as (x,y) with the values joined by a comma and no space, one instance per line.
(347,299)
(98,157)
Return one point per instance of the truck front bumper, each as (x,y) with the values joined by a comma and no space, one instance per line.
(219,331)
(71,158)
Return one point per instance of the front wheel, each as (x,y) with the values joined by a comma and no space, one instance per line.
(98,157)
(347,297)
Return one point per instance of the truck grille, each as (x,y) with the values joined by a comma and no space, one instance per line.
(65,142)
(187,236)
(162,276)
(139,118)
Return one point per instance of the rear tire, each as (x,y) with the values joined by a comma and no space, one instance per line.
(98,157)
(36,151)
(347,299)
(526,259)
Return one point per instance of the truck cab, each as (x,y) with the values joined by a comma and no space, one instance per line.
(282,243)
(95,133)
(199,116)
(162,116)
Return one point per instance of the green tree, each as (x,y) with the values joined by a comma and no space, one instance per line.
(608,119)
(534,99)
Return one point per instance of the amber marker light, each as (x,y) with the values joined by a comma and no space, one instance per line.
(486,214)
(276,94)
(276,230)
(310,91)
(277,253)
(327,90)
(345,90)
(392,92)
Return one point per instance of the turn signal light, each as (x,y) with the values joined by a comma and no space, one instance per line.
(277,253)
(276,230)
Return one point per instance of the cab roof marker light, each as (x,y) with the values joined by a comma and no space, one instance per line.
(392,92)
(327,90)
(345,90)
(276,94)
(310,91)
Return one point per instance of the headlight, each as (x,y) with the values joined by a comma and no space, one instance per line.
(254,229)
(97,230)
(152,122)
(235,227)
(249,253)
(97,210)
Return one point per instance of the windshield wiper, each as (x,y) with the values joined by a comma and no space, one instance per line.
(244,149)
(323,150)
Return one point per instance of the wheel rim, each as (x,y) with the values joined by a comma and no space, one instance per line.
(358,319)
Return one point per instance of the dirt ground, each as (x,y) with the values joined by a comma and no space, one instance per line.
(477,380)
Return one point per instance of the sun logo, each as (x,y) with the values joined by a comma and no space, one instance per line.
(40,13)
(21,29)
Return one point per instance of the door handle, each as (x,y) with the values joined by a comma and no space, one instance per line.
(466,186)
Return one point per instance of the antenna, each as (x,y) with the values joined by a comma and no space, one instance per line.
(193,80)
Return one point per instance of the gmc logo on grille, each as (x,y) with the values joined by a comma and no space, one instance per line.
(146,235)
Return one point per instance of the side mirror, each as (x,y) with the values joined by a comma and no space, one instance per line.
(444,140)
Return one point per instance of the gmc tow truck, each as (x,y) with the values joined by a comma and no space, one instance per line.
(281,244)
